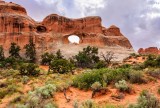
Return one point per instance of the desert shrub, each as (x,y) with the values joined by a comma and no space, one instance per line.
(122,86)
(9,90)
(88,104)
(125,66)
(133,54)
(63,86)
(39,97)
(136,77)
(50,105)
(47,58)
(116,75)
(146,100)
(12,89)
(100,64)
(61,66)
(86,79)
(21,106)
(44,91)
(25,79)
(75,104)
(158,91)
(113,106)
(96,86)
(3,93)
(11,62)
(87,58)
(138,67)
(154,73)
(152,61)
(29,69)
(9,73)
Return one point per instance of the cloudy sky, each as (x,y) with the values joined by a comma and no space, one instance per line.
(139,20)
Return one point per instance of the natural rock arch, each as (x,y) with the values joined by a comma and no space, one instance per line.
(78,38)
(74,39)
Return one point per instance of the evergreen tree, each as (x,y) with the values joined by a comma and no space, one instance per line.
(59,55)
(14,50)
(1,54)
(88,57)
(30,50)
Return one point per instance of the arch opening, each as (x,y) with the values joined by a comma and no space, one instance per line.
(74,39)
(41,29)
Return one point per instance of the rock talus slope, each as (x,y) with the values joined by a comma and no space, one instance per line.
(52,33)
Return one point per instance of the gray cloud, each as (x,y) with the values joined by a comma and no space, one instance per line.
(139,20)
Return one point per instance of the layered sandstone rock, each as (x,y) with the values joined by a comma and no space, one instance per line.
(150,50)
(53,32)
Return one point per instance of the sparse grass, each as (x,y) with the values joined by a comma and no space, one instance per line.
(146,100)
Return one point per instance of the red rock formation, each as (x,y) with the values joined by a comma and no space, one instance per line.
(150,50)
(53,32)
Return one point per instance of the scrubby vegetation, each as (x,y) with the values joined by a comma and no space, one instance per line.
(146,100)
(36,88)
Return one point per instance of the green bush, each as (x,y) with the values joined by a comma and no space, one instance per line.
(96,86)
(9,73)
(9,90)
(136,77)
(3,93)
(25,79)
(100,64)
(146,100)
(44,91)
(61,66)
(85,80)
(50,105)
(39,98)
(75,104)
(29,69)
(122,86)
(154,73)
(158,91)
(87,58)
(115,75)
(88,104)
(152,61)
(138,67)
(47,58)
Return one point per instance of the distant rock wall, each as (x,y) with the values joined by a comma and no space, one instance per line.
(150,50)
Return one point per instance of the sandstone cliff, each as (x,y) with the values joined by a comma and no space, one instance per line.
(150,50)
(53,32)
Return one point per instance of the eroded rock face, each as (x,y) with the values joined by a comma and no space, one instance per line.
(53,32)
(150,50)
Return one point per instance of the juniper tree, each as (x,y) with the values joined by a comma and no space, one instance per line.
(1,54)
(30,50)
(14,50)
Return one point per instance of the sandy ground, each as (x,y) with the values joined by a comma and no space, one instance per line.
(78,95)
(135,60)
